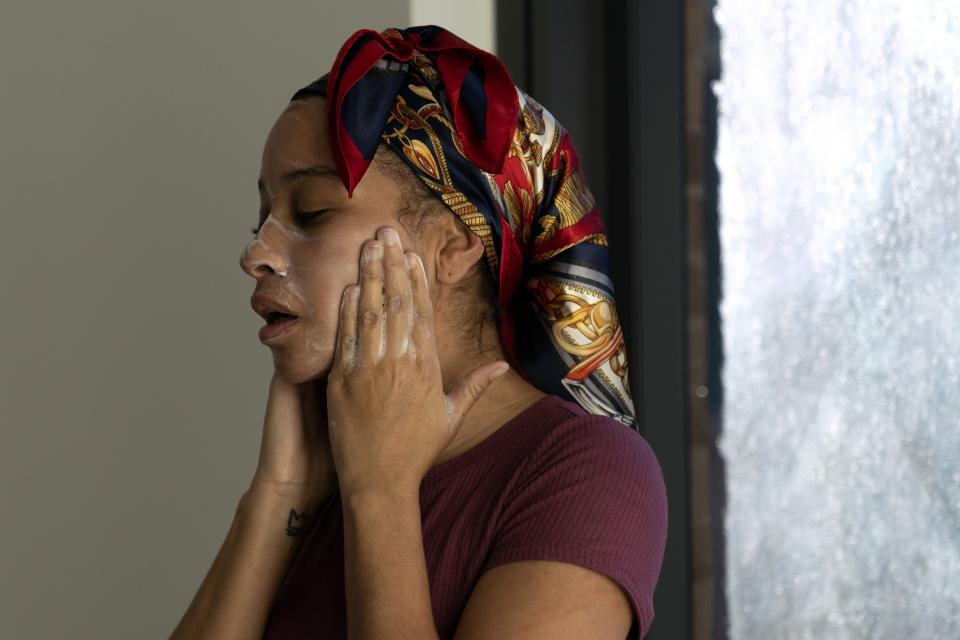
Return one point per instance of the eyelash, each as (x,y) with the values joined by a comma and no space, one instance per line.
(300,216)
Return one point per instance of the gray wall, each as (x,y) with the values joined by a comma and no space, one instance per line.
(133,384)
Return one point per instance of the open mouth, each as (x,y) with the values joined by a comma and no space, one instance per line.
(278,325)
(275,316)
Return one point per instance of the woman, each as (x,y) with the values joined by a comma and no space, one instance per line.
(447,448)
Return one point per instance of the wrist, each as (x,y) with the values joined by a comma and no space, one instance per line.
(355,494)
(297,495)
(285,512)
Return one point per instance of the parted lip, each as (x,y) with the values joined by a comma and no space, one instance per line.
(264,305)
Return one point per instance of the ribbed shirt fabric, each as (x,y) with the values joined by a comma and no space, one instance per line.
(553,483)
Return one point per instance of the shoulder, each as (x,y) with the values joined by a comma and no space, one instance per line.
(577,441)
(590,492)
(590,479)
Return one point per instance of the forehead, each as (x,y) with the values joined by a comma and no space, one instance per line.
(298,147)
(297,138)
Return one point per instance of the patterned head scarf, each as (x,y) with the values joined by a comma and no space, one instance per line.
(504,165)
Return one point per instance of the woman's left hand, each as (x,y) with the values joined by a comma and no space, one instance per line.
(389,418)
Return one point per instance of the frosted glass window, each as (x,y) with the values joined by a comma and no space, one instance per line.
(839,160)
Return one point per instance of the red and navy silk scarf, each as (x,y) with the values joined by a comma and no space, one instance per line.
(505,166)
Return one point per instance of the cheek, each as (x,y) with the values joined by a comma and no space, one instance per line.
(318,332)
(328,277)
(330,266)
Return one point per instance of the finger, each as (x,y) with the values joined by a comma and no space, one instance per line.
(396,288)
(346,353)
(422,331)
(370,320)
(476,383)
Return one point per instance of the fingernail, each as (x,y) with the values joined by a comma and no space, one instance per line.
(372,250)
(389,236)
(499,371)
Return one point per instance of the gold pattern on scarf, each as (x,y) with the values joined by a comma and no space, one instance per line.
(519,205)
(421,91)
(573,200)
(552,150)
(583,322)
(530,153)
(526,146)
(419,155)
(425,67)
(549,226)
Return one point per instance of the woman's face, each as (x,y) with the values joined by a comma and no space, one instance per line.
(302,259)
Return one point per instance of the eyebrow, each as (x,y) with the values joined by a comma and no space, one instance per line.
(315,171)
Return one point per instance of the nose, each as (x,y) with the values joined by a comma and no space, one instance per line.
(260,258)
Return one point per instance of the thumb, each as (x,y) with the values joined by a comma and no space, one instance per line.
(474,385)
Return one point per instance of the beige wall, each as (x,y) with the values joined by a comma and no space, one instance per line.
(472,21)
(133,384)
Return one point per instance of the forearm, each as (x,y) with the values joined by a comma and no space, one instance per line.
(235,598)
(386,581)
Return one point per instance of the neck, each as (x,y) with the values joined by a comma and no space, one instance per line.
(505,398)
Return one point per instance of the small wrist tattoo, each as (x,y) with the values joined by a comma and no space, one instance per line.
(297,523)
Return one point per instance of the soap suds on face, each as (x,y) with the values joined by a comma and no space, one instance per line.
(285,229)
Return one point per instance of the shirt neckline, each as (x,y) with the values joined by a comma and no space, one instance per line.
(444,470)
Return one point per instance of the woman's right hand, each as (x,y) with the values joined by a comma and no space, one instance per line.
(295,459)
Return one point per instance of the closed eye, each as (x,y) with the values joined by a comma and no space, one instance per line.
(300,216)
(307,216)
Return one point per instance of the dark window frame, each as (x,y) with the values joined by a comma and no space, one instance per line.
(613,74)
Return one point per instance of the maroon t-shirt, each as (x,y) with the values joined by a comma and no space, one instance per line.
(553,483)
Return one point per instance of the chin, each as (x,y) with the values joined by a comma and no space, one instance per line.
(297,370)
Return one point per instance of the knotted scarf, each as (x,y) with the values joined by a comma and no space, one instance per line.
(509,171)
